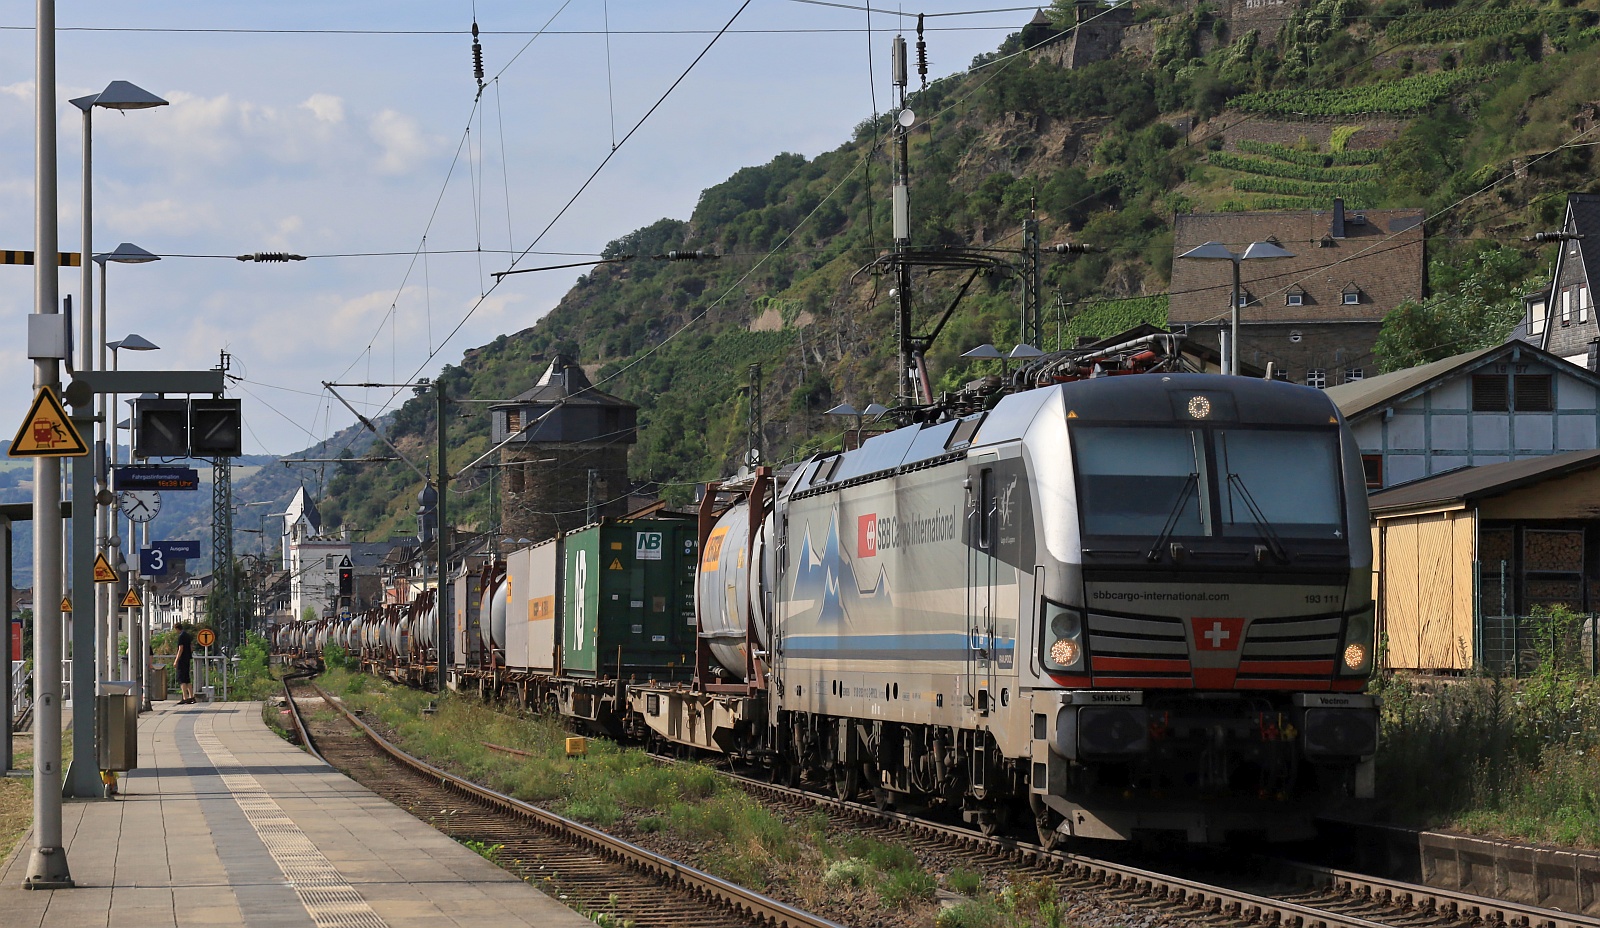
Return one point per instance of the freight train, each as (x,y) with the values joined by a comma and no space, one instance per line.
(1118,606)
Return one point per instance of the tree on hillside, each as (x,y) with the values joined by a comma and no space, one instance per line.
(1480,310)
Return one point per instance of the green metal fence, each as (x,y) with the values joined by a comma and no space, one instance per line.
(1518,645)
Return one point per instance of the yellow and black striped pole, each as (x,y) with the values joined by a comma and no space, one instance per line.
(65,258)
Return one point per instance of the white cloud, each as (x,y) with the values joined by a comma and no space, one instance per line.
(22,90)
(401,139)
(166,216)
(326,107)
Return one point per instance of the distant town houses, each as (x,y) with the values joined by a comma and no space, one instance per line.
(1561,320)
(1315,316)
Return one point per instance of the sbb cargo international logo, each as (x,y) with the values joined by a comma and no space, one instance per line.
(867,536)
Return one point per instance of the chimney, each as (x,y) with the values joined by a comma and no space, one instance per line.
(1338,217)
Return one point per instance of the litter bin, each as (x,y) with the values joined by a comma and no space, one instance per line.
(117,718)
(156,681)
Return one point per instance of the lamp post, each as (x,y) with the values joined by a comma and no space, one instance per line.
(1216,251)
(113,607)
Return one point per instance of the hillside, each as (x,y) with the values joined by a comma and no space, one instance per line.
(1418,103)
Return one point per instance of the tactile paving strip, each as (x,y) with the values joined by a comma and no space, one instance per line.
(329,899)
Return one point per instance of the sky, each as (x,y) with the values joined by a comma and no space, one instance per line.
(363,150)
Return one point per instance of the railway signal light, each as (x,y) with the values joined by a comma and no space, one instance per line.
(202,428)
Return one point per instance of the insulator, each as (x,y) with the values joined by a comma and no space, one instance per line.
(699,254)
(477,56)
(268,257)
(897,61)
(1072,248)
(922,54)
(1555,237)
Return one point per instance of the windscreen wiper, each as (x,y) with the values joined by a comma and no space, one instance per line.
(1154,554)
(1262,525)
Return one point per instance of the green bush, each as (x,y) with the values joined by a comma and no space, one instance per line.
(902,886)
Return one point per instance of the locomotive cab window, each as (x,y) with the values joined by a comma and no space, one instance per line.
(1279,480)
(1133,481)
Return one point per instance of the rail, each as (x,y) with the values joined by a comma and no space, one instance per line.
(760,908)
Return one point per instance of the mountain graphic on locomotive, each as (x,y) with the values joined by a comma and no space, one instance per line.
(1117,606)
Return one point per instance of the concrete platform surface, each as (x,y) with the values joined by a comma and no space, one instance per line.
(225,824)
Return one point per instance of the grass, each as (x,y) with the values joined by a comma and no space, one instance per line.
(688,807)
(16,799)
(1490,755)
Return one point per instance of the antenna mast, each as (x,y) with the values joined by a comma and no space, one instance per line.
(910,389)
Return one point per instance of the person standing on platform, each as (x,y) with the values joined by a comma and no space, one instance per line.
(185,664)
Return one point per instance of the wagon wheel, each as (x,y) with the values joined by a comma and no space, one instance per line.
(882,799)
(846,782)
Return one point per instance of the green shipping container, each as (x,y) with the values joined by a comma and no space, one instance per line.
(630,600)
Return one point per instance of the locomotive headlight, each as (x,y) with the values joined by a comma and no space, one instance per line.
(1063,636)
(1356,656)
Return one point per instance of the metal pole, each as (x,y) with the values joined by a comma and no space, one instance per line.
(107,517)
(1233,339)
(113,620)
(7,710)
(441,599)
(86,278)
(47,865)
(83,778)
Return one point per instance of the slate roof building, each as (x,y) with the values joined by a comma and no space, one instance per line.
(564,458)
(1497,404)
(1562,320)
(1315,315)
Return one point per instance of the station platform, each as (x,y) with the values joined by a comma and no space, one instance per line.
(226,824)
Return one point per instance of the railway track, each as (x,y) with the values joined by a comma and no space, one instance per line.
(590,871)
(1280,892)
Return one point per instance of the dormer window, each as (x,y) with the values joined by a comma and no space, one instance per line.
(1296,296)
(513,421)
(1351,295)
(1244,298)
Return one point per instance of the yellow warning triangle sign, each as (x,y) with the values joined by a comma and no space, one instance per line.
(46,431)
(66,604)
(616,564)
(102,570)
(132,599)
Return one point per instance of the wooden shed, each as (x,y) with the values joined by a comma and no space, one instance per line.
(1479,546)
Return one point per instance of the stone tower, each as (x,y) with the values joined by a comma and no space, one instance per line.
(567,454)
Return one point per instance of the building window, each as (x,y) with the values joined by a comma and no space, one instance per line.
(1566,306)
(513,422)
(1352,295)
(1244,298)
(1317,377)
(514,478)
(1295,297)
(1489,393)
(1534,393)
(1536,317)
(1372,467)
(1583,303)
(331,561)
(1353,374)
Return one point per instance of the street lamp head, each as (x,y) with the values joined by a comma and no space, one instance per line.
(1211,250)
(875,409)
(984,351)
(126,253)
(1266,250)
(121,95)
(133,343)
(843,409)
(1023,352)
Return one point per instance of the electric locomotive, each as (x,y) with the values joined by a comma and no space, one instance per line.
(1121,606)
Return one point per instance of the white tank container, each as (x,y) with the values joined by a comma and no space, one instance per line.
(729,593)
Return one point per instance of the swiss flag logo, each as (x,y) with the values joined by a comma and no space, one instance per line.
(1217,634)
(867,536)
